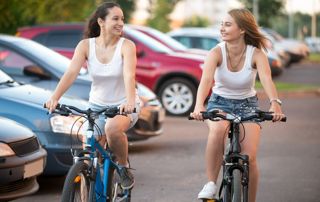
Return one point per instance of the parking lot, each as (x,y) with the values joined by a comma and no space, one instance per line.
(171,167)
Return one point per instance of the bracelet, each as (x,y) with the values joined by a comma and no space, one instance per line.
(276,100)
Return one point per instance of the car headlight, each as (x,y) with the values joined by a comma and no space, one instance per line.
(64,124)
(5,150)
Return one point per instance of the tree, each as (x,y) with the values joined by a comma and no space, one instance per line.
(160,9)
(196,21)
(17,13)
(267,10)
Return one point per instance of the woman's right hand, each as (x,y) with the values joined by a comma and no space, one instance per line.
(196,114)
(51,104)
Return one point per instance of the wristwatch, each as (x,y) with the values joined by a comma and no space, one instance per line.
(276,100)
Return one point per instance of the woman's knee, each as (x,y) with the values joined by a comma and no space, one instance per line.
(113,131)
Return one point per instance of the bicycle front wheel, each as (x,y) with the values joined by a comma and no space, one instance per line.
(76,186)
(236,190)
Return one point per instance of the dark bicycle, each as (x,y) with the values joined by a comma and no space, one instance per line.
(94,176)
(235,180)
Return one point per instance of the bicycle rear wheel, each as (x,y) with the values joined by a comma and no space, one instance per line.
(236,190)
(77,184)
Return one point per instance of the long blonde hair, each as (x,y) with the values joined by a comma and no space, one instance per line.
(246,21)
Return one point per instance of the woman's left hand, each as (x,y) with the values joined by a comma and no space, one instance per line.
(277,112)
(126,108)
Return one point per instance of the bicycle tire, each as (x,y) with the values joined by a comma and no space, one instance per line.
(77,184)
(236,190)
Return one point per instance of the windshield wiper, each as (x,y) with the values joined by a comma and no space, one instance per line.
(7,82)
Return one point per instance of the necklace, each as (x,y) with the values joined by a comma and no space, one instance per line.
(234,68)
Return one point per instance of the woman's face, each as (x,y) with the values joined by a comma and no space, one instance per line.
(113,22)
(229,29)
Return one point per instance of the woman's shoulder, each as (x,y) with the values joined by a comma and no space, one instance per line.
(258,53)
(84,43)
(127,43)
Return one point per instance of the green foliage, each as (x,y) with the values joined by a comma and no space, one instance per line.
(301,25)
(267,10)
(160,11)
(196,21)
(13,15)
(17,13)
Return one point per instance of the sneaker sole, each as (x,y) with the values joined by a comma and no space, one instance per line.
(128,187)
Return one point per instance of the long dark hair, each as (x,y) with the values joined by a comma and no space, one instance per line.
(247,22)
(92,28)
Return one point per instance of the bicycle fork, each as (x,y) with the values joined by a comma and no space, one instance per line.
(235,162)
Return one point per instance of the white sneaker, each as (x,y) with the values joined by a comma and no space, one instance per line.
(208,191)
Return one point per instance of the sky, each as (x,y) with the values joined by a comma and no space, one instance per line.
(304,6)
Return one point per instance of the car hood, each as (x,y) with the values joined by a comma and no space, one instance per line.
(12,131)
(36,96)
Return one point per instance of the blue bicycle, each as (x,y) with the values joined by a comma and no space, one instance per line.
(94,176)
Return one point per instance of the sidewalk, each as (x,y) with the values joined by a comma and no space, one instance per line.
(305,73)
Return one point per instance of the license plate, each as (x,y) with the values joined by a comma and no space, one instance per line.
(33,168)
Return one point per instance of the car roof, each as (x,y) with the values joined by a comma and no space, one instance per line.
(54,26)
(196,31)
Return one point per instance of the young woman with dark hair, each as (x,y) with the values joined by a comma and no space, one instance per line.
(111,63)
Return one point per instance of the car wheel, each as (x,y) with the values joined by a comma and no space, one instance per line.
(178,96)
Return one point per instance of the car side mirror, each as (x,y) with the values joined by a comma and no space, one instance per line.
(33,70)
(140,52)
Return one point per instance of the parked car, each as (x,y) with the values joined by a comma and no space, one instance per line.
(173,76)
(297,50)
(33,63)
(22,159)
(168,41)
(313,44)
(207,38)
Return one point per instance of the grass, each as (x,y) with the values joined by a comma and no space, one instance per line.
(314,57)
(282,86)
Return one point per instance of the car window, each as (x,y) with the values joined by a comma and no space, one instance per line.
(12,62)
(60,39)
(147,41)
(204,43)
(184,40)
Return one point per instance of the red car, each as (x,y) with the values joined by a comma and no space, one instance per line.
(173,76)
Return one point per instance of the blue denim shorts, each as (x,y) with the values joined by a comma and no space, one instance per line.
(240,107)
(101,121)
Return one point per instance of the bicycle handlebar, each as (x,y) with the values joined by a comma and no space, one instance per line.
(258,115)
(66,110)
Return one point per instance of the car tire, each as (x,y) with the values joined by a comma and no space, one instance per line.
(178,96)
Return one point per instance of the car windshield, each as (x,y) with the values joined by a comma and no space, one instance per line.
(47,55)
(148,41)
(168,40)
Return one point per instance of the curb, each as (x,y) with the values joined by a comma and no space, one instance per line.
(292,94)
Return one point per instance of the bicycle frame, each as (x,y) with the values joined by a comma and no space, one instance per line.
(93,148)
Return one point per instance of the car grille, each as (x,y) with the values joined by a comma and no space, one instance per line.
(24,147)
(17,185)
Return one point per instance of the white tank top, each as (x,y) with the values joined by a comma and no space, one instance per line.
(235,85)
(107,86)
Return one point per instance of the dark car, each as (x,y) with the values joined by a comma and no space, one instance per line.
(22,159)
(173,76)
